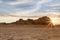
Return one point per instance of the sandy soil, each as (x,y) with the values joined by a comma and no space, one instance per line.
(29,32)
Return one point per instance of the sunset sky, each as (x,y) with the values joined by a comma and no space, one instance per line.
(12,10)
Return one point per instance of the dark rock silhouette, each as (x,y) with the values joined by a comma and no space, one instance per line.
(30,21)
(4,23)
(20,22)
(44,20)
(40,21)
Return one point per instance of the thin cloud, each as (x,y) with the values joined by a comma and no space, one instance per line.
(1,1)
(27,6)
(19,2)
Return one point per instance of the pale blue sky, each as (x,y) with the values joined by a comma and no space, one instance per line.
(28,7)
(12,10)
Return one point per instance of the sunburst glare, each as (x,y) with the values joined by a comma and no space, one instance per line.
(54,21)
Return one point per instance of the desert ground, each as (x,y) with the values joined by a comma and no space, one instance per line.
(29,32)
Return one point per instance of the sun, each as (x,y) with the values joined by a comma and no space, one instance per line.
(54,21)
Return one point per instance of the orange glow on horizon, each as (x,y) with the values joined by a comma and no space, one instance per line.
(55,20)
